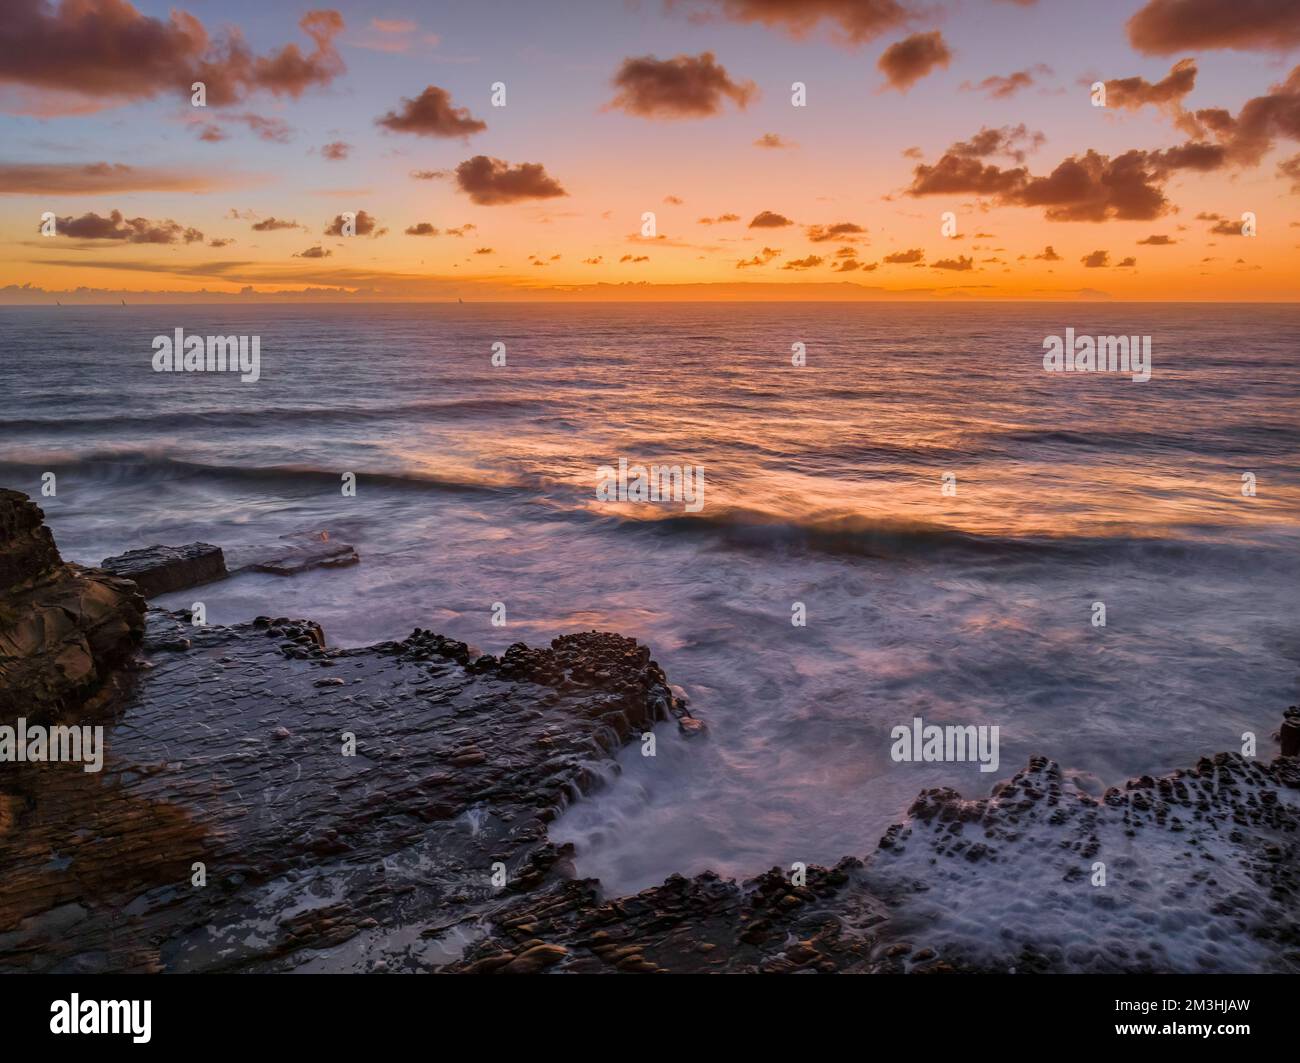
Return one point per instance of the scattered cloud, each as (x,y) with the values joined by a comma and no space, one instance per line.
(686,86)
(431,114)
(491,182)
(905,62)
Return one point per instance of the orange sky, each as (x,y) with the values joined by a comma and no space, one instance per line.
(982,110)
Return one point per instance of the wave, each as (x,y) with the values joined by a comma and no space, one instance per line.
(858,535)
(146,464)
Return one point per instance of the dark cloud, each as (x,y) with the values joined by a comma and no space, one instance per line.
(1166,26)
(423,228)
(363,225)
(767,219)
(490,182)
(960,263)
(91,226)
(1130,261)
(109,51)
(719,219)
(686,86)
(1157,240)
(1088,187)
(267,225)
(1012,141)
(1096,260)
(854,21)
(904,258)
(905,62)
(761,259)
(1136,92)
(804,263)
(1049,254)
(313,252)
(844,230)
(431,114)
(773,140)
(1246,138)
(335,150)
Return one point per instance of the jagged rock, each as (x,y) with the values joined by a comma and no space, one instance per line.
(64,630)
(159,569)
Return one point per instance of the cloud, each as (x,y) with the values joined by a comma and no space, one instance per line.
(1245,139)
(96,179)
(720,219)
(1088,187)
(490,182)
(904,258)
(674,201)
(1157,240)
(855,21)
(1225,227)
(431,114)
(761,259)
(1012,141)
(686,86)
(335,150)
(90,54)
(1096,260)
(274,130)
(844,230)
(1166,26)
(852,265)
(773,140)
(905,62)
(1167,93)
(1290,169)
(430,175)
(482,250)
(363,225)
(91,226)
(999,87)
(1130,261)
(634,258)
(960,263)
(1049,254)
(804,263)
(271,224)
(767,219)
(313,252)
(423,228)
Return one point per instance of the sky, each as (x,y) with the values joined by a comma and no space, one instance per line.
(512,150)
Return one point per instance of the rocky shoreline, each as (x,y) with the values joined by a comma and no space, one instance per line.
(269,803)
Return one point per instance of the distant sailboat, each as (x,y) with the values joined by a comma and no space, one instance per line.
(460,300)
(124,302)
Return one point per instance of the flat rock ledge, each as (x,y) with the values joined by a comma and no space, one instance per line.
(340,802)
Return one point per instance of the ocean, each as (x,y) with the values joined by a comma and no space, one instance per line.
(943,513)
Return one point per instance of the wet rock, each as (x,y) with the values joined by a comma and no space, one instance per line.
(160,569)
(296,553)
(396,796)
(65,631)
